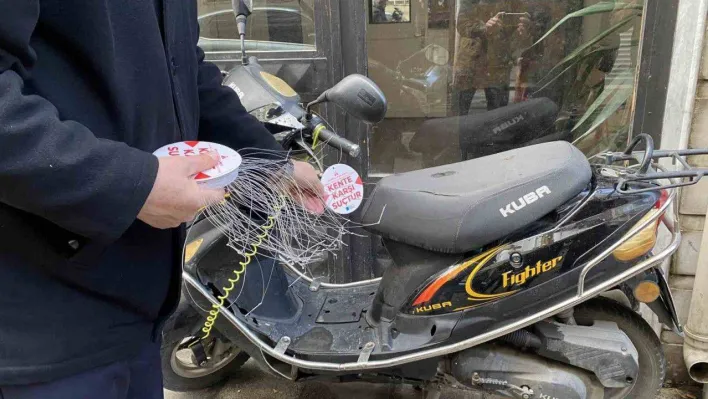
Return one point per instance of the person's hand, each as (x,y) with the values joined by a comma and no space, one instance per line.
(494,23)
(522,28)
(308,190)
(176,197)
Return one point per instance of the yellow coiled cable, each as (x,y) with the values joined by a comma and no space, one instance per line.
(216,308)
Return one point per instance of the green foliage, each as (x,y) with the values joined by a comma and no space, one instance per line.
(602,7)
(605,98)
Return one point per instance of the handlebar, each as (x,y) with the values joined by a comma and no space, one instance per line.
(336,141)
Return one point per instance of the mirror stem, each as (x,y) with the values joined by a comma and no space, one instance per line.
(320,99)
(241,24)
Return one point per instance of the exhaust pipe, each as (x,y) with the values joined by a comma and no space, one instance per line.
(695,344)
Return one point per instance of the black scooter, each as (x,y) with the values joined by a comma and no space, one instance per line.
(503,271)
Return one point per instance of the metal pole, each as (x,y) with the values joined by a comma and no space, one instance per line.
(695,344)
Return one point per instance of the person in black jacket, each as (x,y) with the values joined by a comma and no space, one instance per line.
(89,252)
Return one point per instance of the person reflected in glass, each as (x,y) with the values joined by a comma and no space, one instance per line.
(378,14)
(488,34)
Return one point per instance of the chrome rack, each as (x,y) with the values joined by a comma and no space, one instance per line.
(687,176)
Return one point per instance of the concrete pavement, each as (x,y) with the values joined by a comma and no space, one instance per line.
(252,383)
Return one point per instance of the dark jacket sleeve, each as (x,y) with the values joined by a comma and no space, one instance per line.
(57,169)
(222,118)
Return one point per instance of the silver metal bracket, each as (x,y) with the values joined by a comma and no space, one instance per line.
(366,352)
(282,345)
(315,285)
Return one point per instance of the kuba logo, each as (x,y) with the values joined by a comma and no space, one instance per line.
(521,203)
(435,306)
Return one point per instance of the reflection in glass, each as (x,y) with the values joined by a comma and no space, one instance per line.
(469,78)
(287,25)
(389,11)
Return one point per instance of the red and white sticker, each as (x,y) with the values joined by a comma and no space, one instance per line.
(344,190)
(220,176)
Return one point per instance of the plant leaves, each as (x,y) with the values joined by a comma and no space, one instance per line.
(589,44)
(599,8)
(621,81)
(616,93)
(545,81)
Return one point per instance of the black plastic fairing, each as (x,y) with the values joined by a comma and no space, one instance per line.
(255,92)
(488,277)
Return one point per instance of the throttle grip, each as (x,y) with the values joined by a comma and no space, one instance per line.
(337,141)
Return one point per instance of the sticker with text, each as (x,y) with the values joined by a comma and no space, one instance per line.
(221,175)
(344,190)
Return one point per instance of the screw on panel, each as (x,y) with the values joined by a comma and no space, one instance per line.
(526,392)
(516,259)
(475,378)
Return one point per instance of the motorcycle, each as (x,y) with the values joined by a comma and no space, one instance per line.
(519,273)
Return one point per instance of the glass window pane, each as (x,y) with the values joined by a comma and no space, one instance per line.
(284,25)
(468,78)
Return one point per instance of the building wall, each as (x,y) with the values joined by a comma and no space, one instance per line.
(692,210)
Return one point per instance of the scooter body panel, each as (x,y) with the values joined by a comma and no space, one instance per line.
(522,269)
(334,324)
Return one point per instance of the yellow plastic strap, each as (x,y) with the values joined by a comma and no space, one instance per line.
(316,134)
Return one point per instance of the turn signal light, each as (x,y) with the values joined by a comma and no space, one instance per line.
(191,249)
(640,243)
(647,291)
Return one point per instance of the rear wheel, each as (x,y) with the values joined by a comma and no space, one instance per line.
(652,364)
(180,369)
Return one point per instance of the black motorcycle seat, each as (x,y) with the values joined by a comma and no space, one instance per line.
(460,207)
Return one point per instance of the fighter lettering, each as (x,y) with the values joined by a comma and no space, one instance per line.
(511,278)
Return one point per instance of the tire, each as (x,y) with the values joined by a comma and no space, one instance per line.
(179,375)
(652,363)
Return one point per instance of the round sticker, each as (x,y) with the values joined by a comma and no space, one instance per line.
(344,190)
(218,177)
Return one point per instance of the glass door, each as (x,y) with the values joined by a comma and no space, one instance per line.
(468,78)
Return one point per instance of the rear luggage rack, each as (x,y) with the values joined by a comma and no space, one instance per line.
(689,175)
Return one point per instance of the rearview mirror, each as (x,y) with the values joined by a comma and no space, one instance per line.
(438,55)
(358,96)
